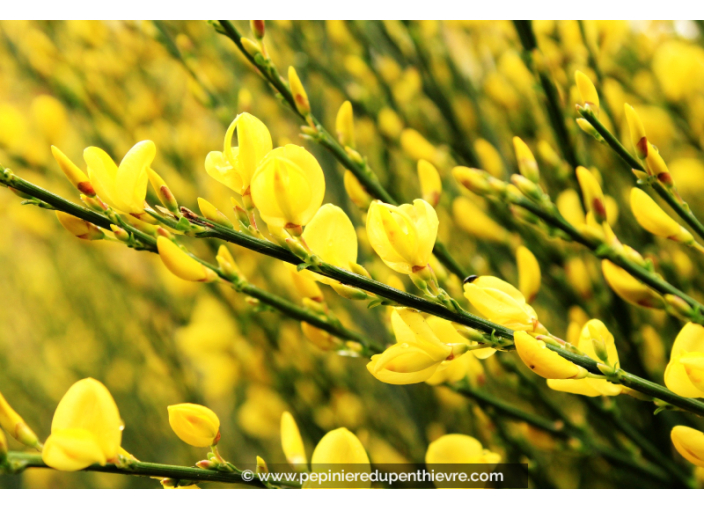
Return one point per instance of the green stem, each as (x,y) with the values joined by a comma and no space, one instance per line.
(361,171)
(553,104)
(681,208)
(17,462)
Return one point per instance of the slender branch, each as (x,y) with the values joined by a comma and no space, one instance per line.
(19,461)
(361,170)
(497,336)
(681,208)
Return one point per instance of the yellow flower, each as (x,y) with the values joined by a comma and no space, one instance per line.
(331,236)
(628,287)
(125,187)
(86,428)
(235,166)
(457,369)
(288,187)
(430,182)
(344,124)
(74,174)
(299,93)
(341,447)
(403,236)
(212,213)
(526,161)
(292,444)
(179,263)
(473,220)
(458,449)
(544,362)
(418,351)
(656,221)
(502,303)
(194,424)
(79,228)
(356,191)
(587,91)
(15,425)
(318,337)
(690,443)
(528,273)
(489,158)
(593,196)
(684,374)
(594,339)
(638,138)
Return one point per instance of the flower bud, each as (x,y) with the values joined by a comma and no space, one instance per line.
(654,162)
(344,125)
(476,181)
(211,213)
(544,362)
(194,424)
(628,287)
(586,126)
(79,227)
(257,27)
(74,174)
(430,182)
(3,447)
(318,337)
(15,425)
(349,292)
(530,189)
(299,93)
(228,265)
(593,196)
(162,191)
(587,91)
(120,233)
(638,138)
(292,443)
(689,443)
(261,466)
(250,47)
(526,161)
(528,273)
(656,221)
(356,191)
(181,264)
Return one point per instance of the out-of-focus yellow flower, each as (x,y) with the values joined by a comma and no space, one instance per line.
(457,369)
(235,166)
(528,273)
(570,206)
(417,353)
(679,67)
(403,236)
(194,424)
(628,287)
(544,362)
(344,125)
(75,175)
(598,343)
(635,126)
(587,90)
(125,187)
(181,264)
(652,218)
(318,337)
(685,372)
(690,443)
(15,425)
(227,263)
(299,93)
(342,447)
(459,449)
(288,187)
(430,182)
(182,487)
(502,303)
(331,236)
(593,196)
(79,228)
(473,220)
(356,191)
(489,158)
(527,164)
(416,146)
(86,428)
(50,116)
(292,444)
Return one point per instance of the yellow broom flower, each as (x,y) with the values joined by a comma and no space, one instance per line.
(74,174)
(544,362)
(628,287)
(194,424)
(593,196)
(181,264)
(344,125)
(288,187)
(656,221)
(430,182)
(502,303)
(86,428)
(527,164)
(689,443)
(528,273)
(125,187)
(235,166)
(331,236)
(15,426)
(638,138)
(403,236)
(340,447)
(292,444)
(684,374)
(299,93)
(79,228)
(587,91)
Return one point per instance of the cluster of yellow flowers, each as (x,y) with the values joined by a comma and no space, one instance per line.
(425,105)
